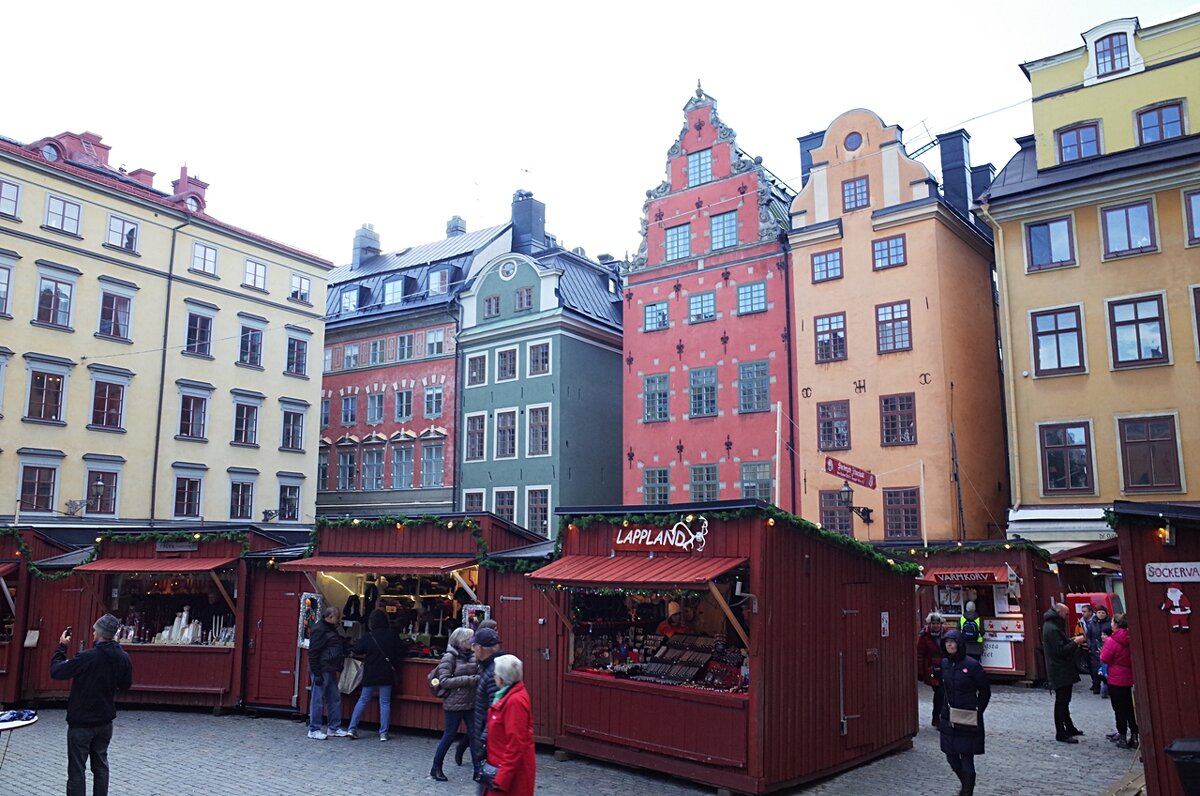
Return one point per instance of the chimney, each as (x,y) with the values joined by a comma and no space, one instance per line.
(187,186)
(956,170)
(528,223)
(807,144)
(143,176)
(366,244)
(981,178)
(455,227)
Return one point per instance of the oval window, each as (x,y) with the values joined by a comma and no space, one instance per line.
(853,141)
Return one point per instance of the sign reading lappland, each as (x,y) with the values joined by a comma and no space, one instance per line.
(1174,572)
(848,472)
(176,547)
(685,536)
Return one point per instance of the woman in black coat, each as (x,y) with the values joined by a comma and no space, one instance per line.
(965,687)
(379,650)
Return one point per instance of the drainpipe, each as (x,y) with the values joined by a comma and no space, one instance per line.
(459,392)
(1007,377)
(791,364)
(162,369)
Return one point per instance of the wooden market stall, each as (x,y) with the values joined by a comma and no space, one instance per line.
(790,658)
(1011,585)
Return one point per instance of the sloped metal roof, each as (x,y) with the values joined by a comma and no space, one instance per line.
(424,254)
(583,287)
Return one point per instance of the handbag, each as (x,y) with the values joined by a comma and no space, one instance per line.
(961,718)
(488,774)
(352,675)
(439,690)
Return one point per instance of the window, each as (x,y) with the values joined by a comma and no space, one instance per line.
(702,307)
(656,316)
(1149,453)
(491,306)
(114,315)
(54,301)
(433,401)
(506,434)
(1138,330)
(1076,143)
(350,299)
(702,389)
(292,438)
(37,488)
(699,167)
(349,410)
(62,215)
(250,347)
(1112,54)
(204,258)
(754,380)
(435,342)
(1161,123)
(752,298)
(108,401)
(506,364)
(705,487)
(123,233)
(404,347)
(537,511)
(893,329)
(404,405)
(346,470)
(255,275)
(289,502)
(830,331)
(655,398)
(827,265)
(192,411)
(199,335)
(473,501)
(46,395)
(375,408)
(301,289)
(505,504)
(375,352)
(655,486)
(393,292)
(834,516)
(433,465)
(327,364)
(350,356)
(1057,342)
(476,370)
(538,443)
(723,230)
(439,282)
(539,359)
(106,501)
(1066,458)
(402,467)
(756,481)
(898,419)
(833,426)
(1129,229)
(902,513)
(1191,200)
(679,240)
(297,357)
(1050,244)
(324,413)
(855,194)
(372,467)
(241,500)
(323,471)
(888,252)
(476,440)
(9,192)
(245,424)
(187,497)
(524,300)
(5,284)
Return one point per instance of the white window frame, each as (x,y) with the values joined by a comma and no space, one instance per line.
(410,348)
(185,470)
(439,282)
(204,258)
(121,289)
(126,223)
(482,498)
(412,465)
(57,366)
(300,288)
(508,490)
(549,507)
(102,463)
(349,300)
(254,275)
(242,475)
(466,437)
(327,360)
(14,197)
(50,199)
(67,276)
(548,342)
(426,445)
(295,406)
(393,291)
(529,431)
(369,482)
(342,410)
(109,375)
(516,413)
(516,364)
(484,358)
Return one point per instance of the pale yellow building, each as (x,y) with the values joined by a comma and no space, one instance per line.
(1097,229)
(155,363)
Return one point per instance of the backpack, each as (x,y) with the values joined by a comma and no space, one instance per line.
(970,630)
(440,691)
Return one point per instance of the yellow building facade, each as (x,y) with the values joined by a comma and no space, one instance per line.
(1097,231)
(155,363)
(897,363)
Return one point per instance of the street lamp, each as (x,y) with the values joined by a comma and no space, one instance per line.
(95,492)
(846,498)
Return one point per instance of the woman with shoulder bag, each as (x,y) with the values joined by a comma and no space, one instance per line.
(510,765)
(966,694)
(379,649)
(457,676)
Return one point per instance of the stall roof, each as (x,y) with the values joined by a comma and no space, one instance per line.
(1103,549)
(115,565)
(66,560)
(543,549)
(662,572)
(384,565)
(7,569)
(964,575)
(292,551)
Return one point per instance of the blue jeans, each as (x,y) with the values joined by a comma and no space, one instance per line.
(385,706)
(325,695)
(453,719)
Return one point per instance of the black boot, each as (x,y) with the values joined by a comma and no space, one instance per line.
(436,773)
(458,754)
(968,788)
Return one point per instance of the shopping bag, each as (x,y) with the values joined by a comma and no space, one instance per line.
(352,674)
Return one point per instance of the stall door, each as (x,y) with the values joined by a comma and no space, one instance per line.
(858,666)
(54,604)
(531,631)
(271,651)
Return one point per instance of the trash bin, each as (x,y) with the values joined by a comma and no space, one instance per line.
(1186,754)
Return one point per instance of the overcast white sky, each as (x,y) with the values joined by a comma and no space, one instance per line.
(309,119)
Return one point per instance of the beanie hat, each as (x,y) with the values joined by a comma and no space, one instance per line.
(106,626)
(673,608)
(486,637)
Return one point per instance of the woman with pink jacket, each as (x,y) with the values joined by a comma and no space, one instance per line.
(1115,654)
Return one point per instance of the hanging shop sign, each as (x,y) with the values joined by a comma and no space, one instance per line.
(1004,626)
(1174,572)
(686,536)
(848,472)
(176,547)
(998,656)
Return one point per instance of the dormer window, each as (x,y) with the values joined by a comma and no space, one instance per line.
(350,300)
(439,282)
(1112,51)
(1112,54)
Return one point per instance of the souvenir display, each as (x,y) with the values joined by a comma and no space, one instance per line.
(173,608)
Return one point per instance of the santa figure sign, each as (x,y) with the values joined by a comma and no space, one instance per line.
(1179,607)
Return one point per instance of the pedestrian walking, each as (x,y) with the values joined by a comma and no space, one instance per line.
(510,749)
(326,654)
(929,660)
(971,627)
(96,675)
(1096,628)
(379,649)
(966,688)
(1061,651)
(485,645)
(457,674)
(1116,655)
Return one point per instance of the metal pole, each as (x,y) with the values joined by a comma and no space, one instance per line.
(778,452)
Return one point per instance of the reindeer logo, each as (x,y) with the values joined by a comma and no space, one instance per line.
(694,539)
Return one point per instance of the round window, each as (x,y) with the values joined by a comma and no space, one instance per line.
(853,141)
(50,152)
(508,269)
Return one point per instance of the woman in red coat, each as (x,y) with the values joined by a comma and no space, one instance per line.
(1119,659)
(929,660)
(510,732)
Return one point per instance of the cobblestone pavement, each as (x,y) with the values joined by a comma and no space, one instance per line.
(159,753)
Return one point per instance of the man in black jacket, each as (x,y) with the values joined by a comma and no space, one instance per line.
(486,646)
(96,675)
(1060,650)
(326,656)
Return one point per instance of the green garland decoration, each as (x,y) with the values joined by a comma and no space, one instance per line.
(25,553)
(147,536)
(1000,547)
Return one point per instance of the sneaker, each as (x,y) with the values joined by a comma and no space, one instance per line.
(1113,736)
(317,735)
(352,734)
(339,733)
(1067,739)
(383,737)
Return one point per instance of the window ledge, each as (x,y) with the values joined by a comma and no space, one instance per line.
(751,312)
(121,249)
(42,422)
(290,450)
(111,338)
(295,375)
(56,327)
(1141,365)
(1108,257)
(205,274)
(666,328)
(191,439)
(693,321)
(197,355)
(1053,267)
(6,316)
(105,429)
(741,411)
(256,289)
(301,302)
(62,232)
(248,366)
(244,444)
(9,217)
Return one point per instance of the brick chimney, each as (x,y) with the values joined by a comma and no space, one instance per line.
(187,186)
(955,150)
(143,176)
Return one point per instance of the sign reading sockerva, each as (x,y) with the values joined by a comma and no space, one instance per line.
(1174,572)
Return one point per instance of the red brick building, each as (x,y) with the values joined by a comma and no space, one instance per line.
(708,378)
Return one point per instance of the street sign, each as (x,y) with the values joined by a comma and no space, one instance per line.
(848,472)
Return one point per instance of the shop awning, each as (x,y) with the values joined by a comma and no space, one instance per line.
(661,572)
(7,569)
(381,565)
(964,576)
(110,566)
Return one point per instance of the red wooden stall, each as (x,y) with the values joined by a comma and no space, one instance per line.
(822,625)
(1160,554)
